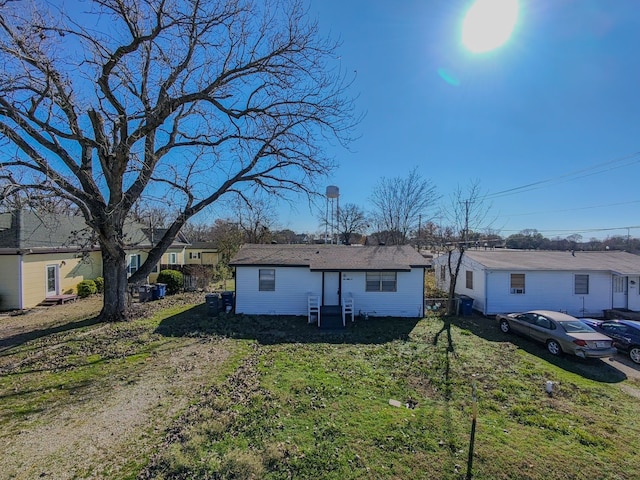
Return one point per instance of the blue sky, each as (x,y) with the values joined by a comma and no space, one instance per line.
(558,106)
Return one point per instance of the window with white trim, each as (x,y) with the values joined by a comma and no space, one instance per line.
(443,273)
(517,283)
(581,284)
(469,278)
(381,282)
(267,280)
(134,264)
(173,258)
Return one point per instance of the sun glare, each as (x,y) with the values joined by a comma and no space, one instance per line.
(488,24)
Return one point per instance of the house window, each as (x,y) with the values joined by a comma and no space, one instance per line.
(173,259)
(619,284)
(267,280)
(517,283)
(581,284)
(443,273)
(134,264)
(381,282)
(155,268)
(469,274)
(190,255)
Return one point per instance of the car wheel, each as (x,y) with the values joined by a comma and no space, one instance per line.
(554,347)
(634,354)
(505,327)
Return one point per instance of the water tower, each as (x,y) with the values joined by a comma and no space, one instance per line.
(333,206)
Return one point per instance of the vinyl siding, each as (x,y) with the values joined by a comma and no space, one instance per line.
(551,291)
(293,286)
(406,301)
(9,288)
(34,276)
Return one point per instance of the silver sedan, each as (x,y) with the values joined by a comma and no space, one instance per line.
(561,333)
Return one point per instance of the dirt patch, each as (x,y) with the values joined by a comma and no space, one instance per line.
(111,427)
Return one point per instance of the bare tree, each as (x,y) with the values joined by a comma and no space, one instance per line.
(400,203)
(467,213)
(256,218)
(350,219)
(181,101)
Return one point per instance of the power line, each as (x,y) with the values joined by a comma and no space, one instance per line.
(578,230)
(574,209)
(574,175)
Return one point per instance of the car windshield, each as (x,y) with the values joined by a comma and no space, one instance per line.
(576,326)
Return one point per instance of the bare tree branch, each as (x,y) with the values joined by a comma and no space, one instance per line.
(193,99)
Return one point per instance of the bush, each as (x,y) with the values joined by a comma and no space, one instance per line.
(86,288)
(99,284)
(173,279)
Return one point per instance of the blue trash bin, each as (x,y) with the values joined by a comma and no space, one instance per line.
(466,305)
(158,291)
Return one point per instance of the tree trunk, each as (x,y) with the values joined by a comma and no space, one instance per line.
(114,271)
(453,279)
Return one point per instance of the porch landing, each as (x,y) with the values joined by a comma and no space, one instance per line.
(331,317)
(622,313)
(58,300)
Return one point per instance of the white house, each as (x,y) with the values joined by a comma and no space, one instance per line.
(579,283)
(280,279)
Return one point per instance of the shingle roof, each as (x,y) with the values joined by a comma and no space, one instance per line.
(204,246)
(331,257)
(31,230)
(623,263)
(27,230)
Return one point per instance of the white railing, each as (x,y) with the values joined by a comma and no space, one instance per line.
(313,302)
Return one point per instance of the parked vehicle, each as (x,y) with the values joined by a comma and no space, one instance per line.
(625,334)
(561,333)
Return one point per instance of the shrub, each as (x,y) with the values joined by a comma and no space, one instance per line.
(86,288)
(99,284)
(173,279)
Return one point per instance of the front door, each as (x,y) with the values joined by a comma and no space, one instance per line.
(620,292)
(52,280)
(331,288)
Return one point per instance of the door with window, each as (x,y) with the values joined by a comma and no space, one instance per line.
(52,280)
(620,292)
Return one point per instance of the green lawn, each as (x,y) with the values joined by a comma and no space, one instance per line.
(286,400)
(314,404)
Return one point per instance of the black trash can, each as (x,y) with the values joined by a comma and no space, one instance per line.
(227,300)
(144,293)
(466,305)
(213,304)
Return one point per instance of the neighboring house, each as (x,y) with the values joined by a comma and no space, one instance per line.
(579,283)
(141,239)
(281,279)
(43,256)
(201,253)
